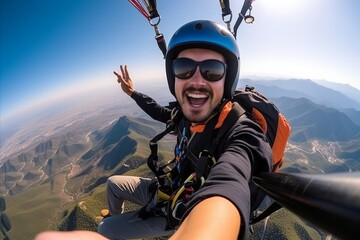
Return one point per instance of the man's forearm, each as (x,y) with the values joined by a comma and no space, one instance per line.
(213,218)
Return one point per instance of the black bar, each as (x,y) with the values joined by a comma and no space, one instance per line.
(330,200)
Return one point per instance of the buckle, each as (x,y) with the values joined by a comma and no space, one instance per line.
(179,210)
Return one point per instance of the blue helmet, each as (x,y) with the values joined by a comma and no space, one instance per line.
(209,35)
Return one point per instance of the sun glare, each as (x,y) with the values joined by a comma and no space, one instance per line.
(281,4)
(283,7)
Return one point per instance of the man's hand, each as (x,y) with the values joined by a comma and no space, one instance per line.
(125,81)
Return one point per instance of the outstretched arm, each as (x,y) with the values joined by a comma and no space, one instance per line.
(146,103)
(213,218)
(125,81)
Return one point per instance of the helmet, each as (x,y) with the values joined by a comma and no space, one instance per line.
(208,35)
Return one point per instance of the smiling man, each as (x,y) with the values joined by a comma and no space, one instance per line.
(202,68)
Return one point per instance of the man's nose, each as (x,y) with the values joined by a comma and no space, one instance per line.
(197,77)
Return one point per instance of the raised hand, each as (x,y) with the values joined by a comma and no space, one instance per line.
(125,81)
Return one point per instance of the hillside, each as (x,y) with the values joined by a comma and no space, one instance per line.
(313,121)
(62,170)
(108,153)
(60,177)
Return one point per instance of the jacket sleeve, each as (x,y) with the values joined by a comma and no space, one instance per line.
(244,152)
(151,107)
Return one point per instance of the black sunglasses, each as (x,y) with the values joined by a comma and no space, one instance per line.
(211,70)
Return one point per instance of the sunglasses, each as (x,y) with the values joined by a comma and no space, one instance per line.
(211,70)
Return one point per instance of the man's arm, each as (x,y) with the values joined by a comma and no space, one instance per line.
(146,103)
(213,218)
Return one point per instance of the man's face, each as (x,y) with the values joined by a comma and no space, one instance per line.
(198,97)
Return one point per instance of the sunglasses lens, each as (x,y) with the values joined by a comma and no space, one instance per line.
(211,70)
(184,68)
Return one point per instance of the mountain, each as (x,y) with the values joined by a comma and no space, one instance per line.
(64,169)
(313,121)
(297,88)
(79,154)
(353,115)
(343,88)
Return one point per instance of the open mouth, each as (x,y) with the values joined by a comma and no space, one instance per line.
(197,99)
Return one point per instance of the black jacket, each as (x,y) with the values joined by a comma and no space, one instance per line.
(242,152)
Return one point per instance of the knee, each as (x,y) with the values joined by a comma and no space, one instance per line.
(111,185)
(116,183)
(113,181)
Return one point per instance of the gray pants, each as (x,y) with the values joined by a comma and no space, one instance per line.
(128,225)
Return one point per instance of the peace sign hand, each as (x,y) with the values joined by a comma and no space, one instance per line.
(125,81)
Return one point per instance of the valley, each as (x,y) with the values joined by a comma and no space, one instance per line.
(55,167)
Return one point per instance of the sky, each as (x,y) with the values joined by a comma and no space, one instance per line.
(53,49)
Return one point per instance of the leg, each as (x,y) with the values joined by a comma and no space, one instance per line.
(129,226)
(133,189)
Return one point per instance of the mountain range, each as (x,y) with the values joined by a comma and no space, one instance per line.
(73,164)
(313,121)
(337,97)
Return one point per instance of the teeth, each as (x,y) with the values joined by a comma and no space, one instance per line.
(194,95)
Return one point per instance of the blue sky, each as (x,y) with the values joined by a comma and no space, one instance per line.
(51,49)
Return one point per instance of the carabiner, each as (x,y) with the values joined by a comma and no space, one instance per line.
(153,22)
(227,22)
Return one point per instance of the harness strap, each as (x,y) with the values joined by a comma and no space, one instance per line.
(226,13)
(206,160)
(246,6)
(225,7)
(161,43)
(231,119)
(152,160)
(151,6)
(152,15)
(207,138)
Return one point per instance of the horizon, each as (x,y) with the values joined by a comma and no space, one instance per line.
(107,104)
(111,87)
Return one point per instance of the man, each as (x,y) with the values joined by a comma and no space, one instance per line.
(202,68)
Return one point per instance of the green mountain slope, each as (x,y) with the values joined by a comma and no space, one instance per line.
(59,184)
